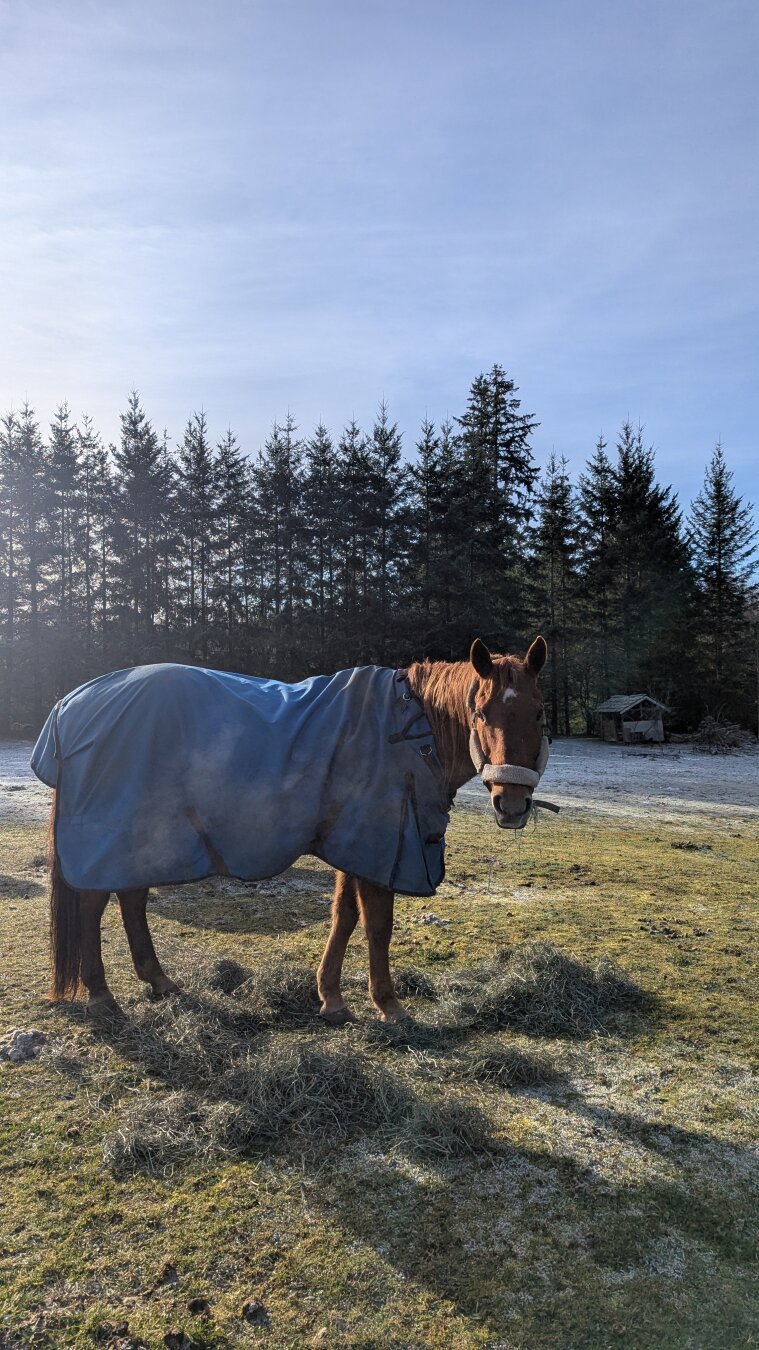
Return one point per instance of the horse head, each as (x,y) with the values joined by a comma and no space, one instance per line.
(508,744)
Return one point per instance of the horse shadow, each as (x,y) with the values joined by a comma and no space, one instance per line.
(297,899)
(489,1271)
(20,888)
(443,1244)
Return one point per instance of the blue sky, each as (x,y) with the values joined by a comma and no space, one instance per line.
(309,204)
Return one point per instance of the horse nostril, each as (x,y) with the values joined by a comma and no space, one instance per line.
(528,803)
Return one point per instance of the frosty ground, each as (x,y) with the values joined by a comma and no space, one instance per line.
(672,784)
(612,1199)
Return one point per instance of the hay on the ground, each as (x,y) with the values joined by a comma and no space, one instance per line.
(237,1083)
(292,1093)
(280,994)
(296,1087)
(504,1066)
(410,982)
(227,976)
(444,1130)
(535,988)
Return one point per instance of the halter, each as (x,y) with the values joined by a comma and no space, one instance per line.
(501,773)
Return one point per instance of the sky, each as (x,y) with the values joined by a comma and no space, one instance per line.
(309,205)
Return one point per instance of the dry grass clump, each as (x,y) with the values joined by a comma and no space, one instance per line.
(185,1041)
(155,1134)
(227,976)
(281,994)
(234,1079)
(406,1035)
(299,1088)
(292,1093)
(444,1130)
(504,1066)
(410,982)
(536,989)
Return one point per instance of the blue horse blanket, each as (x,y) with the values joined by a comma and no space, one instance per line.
(170,773)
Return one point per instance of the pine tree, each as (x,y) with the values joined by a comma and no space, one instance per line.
(320,511)
(353,541)
(554,580)
(197,511)
(137,528)
(438,562)
(278,481)
(596,522)
(652,572)
(9,567)
(424,489)
(722,535)
(496,485)
(386,510)
(96,516)
(233,488)
(32,548)
(171,571)
(64,482)
(64,505)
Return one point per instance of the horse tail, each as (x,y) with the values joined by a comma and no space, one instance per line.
(65,932)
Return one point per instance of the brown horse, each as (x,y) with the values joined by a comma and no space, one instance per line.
(486,714)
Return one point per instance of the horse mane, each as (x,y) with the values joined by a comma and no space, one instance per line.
(443,687)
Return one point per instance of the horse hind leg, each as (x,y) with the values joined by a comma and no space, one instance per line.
(334,1009)
(146,963)
(91,907)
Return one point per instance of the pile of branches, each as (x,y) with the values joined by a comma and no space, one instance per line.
(715,736)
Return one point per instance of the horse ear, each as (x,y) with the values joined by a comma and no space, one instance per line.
(481,659)
(537,655)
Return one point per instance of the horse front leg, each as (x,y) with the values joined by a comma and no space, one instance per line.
(146,963)
(334,1009)
(376,906)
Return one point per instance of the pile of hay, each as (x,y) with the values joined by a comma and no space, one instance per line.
(283,1090)
(505,1066)
(536,989)
(281,994)
(295,1095)
(226,1067)
(239,1074)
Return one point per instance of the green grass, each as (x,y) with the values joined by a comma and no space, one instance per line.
(612,1202)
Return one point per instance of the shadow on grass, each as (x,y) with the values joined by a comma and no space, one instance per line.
(231,906)
(370,1119)
(235,1081)
(20,888)
(535,1221)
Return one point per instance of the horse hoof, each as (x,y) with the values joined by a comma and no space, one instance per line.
(336,1017)
(162,988)
(104,1007)
(394,1016)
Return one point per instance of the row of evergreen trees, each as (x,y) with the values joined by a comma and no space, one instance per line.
(324,552)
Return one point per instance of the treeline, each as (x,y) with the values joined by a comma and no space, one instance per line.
(326,551)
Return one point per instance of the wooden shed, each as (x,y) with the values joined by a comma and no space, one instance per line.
(631,719)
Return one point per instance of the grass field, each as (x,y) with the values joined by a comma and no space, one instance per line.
(594,1189)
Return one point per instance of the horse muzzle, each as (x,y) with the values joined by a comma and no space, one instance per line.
(511,820)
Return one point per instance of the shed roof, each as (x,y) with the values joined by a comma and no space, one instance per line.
(621,703)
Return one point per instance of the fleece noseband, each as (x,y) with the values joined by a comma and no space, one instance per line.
(501,773)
